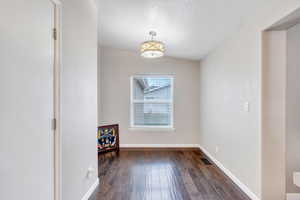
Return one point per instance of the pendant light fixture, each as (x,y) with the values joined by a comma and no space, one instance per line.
(152,48)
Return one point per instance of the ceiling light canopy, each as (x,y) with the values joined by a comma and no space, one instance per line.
(152,48)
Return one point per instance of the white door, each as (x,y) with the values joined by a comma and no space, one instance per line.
(26,99)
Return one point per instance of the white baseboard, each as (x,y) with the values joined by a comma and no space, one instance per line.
(159,145)
(91,190)
(241,185)
(293,196)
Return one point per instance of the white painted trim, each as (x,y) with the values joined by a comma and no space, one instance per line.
(56,144)
(293,196)
(159,145)
(241,185)
(152,129)
(57,2)
(91,190)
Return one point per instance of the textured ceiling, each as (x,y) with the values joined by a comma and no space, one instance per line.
(189,28)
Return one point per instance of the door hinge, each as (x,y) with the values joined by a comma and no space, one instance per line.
(54,124)
(54,34)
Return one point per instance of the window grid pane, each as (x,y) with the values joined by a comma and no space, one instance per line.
(149,114)
(146,88)
(152,101)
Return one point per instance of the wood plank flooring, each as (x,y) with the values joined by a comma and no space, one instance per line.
(162,175)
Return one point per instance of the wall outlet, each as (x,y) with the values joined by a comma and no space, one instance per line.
(217,149)
(246,106)
(90,172)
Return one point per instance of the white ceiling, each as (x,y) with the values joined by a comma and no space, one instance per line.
(189,28)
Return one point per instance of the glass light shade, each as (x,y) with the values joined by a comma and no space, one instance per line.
(152,49)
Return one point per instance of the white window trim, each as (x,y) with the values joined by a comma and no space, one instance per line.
(171,102)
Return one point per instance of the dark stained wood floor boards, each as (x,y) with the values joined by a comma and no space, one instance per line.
(162,175)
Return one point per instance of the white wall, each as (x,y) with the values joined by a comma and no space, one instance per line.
(79,96)
(293,108)
(229,77)
(116,67)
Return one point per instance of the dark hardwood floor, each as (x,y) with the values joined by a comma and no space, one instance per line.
(162,175)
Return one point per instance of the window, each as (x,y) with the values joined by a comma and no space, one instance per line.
(151,102)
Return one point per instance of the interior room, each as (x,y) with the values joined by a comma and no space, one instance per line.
(150,100)
(292,125)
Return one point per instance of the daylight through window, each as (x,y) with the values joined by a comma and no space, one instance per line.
(152,101)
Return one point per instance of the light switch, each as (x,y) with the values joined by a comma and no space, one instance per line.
(296,178)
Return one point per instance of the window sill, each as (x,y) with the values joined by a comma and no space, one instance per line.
(152,129)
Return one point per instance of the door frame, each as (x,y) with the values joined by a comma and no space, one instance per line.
(274,66)
(56,138)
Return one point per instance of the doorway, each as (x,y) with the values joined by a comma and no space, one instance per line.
(280,112)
